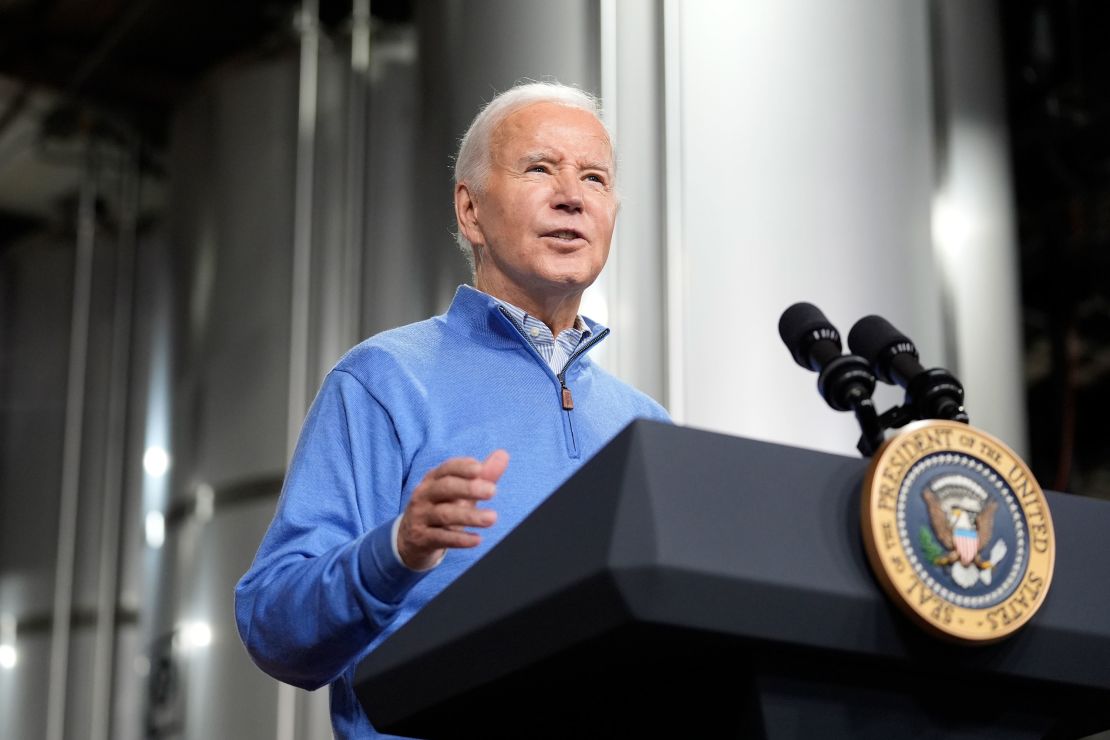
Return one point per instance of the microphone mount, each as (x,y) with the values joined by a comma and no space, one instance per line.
(846,384)
(879,352)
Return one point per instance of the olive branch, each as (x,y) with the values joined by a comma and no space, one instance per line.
(929,546)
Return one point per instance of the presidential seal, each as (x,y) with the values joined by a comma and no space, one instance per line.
(958,531)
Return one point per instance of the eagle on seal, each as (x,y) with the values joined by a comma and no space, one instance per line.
(965,534)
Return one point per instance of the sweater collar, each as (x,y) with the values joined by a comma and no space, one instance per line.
(479,315)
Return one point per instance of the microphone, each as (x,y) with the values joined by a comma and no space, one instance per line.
(932,394)
(844,381)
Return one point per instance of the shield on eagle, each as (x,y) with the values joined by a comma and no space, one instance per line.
(967,544)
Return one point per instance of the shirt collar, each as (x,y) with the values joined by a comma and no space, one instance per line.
(530,324)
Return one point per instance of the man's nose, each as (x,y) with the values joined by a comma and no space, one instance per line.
(568,193)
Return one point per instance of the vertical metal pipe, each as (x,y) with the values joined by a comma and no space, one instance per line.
(308,24)
(610,279)
(115,449)
(675,279)
(71,453)
(975,246)
(355,206)
(634,279)
(941,153)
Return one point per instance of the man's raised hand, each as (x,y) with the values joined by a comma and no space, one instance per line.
(444,505)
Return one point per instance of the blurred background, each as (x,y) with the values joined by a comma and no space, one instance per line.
(203,204)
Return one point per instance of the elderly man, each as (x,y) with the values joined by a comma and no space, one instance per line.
(391,492)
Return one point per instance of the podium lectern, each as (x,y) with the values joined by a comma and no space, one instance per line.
(689,584)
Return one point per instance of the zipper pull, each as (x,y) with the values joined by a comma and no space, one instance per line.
(568,399)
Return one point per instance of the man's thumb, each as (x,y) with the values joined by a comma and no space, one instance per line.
(494,465)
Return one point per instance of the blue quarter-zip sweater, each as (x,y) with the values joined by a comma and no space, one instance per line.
(325,587)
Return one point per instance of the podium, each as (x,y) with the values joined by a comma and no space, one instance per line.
(690,584)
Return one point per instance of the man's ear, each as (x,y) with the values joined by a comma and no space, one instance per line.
(466,213)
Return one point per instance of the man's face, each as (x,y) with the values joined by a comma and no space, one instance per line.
(544,220)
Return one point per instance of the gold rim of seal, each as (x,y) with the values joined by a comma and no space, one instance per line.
(887,552)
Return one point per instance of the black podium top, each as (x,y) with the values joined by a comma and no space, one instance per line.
(675,553)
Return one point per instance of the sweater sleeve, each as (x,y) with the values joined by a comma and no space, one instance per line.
(325,582)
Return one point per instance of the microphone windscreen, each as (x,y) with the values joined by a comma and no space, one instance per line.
(874,339)
(800,326)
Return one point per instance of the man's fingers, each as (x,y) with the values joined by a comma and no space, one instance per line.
(441,538)
(463,477)
(451,488)
(494,466)
(462,467)
(425,530)
(460,515)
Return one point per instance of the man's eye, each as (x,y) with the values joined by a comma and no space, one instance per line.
(537,168)
(596,178)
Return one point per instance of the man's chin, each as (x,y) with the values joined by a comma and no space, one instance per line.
(579,267)
(569,283)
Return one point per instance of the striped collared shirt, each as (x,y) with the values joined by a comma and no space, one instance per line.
(554,350)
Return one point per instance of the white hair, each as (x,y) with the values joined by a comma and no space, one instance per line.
(473,162)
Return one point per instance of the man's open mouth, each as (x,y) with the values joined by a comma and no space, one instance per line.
(565,234)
